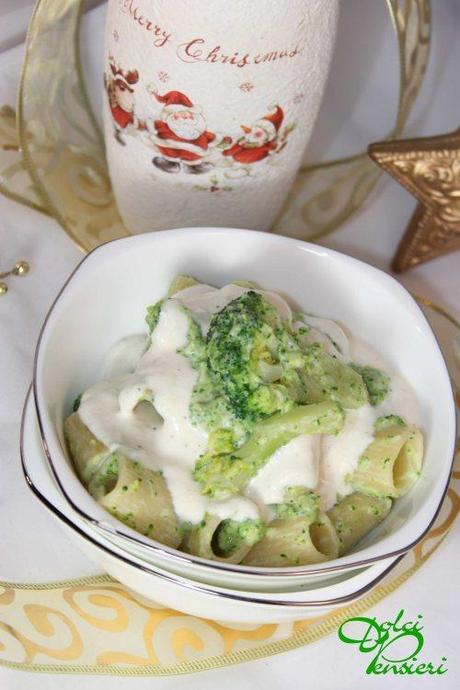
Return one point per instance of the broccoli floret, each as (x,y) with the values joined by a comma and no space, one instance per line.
(153,315)
(195,349)
(226,474)
(232,534)
(262,368)
(250,355)
(209,409)
(377,383)
(388,421)
(327,378)
(298,502)
(76,403)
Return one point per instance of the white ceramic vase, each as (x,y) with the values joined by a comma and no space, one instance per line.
(209,105)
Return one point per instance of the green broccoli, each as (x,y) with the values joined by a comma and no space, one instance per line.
(232,534)
(377,383)
(222,475)
(210,409)
(388,422)
(180,282)
(195,349)
(240,337)
(250,355)
(298,502)
(153,315)
(262,368)
(76,403)
(327,378)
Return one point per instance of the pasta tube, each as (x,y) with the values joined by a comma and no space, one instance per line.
(223,540)
(356,515)
(86,451)
(138,497)
(391,464)
(295,541)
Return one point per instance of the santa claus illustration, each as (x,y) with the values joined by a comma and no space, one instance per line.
(259,140)
(180,135)
(120,93)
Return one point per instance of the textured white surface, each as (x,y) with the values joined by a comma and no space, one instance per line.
(358,107)
(185,54)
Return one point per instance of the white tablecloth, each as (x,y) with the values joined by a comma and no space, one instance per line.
(32,548)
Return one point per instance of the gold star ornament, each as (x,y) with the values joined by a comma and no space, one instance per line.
(429,168)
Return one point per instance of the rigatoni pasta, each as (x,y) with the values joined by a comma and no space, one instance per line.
(240,431)
(356,515)
(223,540)
(138,497)
(391,464)
(295,541)
(86,450)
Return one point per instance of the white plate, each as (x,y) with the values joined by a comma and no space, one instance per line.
(179,592)
(105,299)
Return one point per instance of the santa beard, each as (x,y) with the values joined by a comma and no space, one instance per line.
(257,137)
(187,129)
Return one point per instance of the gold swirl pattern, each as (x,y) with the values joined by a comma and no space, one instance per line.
(94,625)
(62,148)
(39,623)
(15,182)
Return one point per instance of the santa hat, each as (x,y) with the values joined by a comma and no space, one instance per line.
(123,78)
(175,101)
(271,123)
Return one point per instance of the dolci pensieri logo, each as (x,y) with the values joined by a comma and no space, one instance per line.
(394,646)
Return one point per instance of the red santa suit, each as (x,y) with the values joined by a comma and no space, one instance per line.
(244,151)
(194,150)
(123,118)
(170,144)
(124,81)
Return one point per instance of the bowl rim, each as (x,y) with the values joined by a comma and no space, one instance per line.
(202,588)
(162,551)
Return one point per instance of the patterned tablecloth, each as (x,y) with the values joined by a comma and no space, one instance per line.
(33,549)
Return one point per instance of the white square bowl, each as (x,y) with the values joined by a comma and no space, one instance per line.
(184,594)
(105,299)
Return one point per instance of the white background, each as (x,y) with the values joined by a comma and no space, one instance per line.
(358,108)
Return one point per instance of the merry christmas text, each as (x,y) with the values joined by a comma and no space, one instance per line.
(197,49)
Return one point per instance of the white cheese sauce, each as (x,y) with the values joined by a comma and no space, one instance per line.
(401,399)
(205,300)
(142,407)
(124,355)
(294,464)
(162,436)
(340,454)
(327,332)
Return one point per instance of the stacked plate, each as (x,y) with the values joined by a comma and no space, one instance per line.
(104,300)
